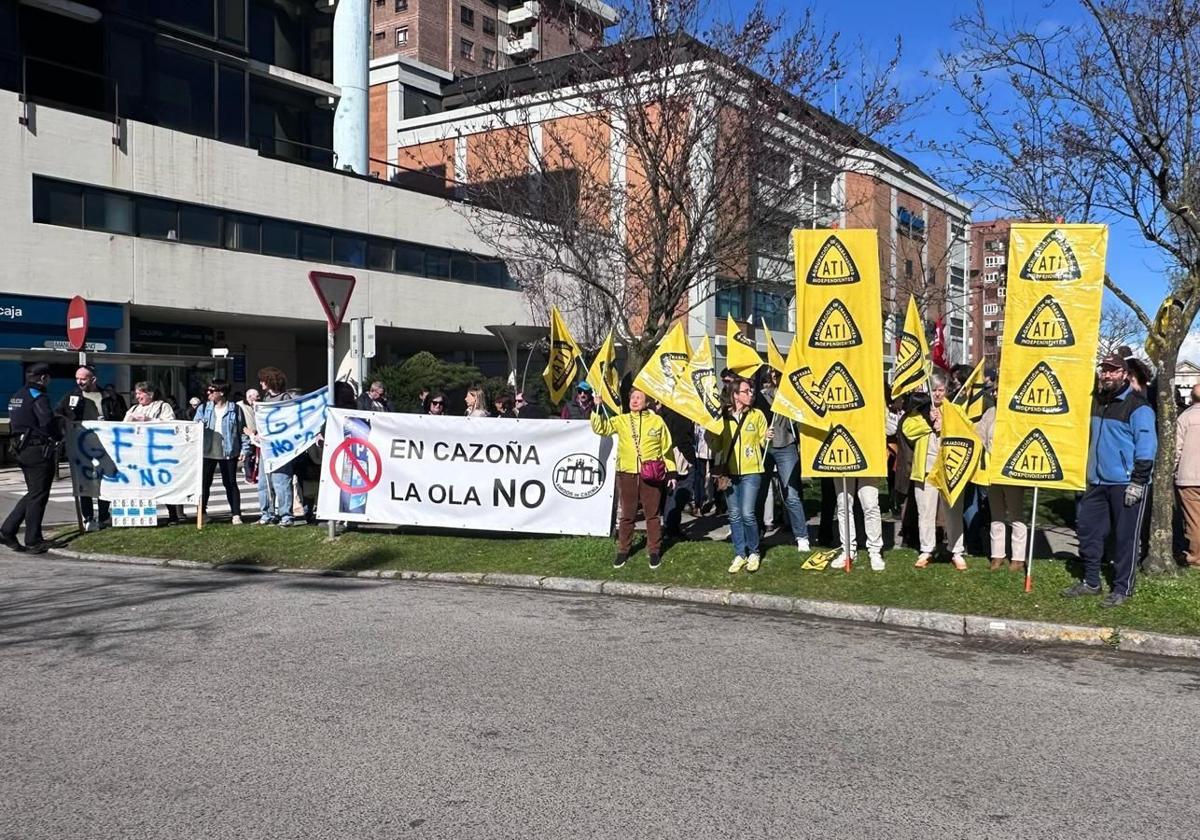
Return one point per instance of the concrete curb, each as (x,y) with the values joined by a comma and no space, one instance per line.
(974,626)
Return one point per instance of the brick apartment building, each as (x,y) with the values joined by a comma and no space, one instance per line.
(464,37)
(922,227)
(989,285)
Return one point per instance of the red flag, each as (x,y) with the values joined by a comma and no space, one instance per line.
(937,352)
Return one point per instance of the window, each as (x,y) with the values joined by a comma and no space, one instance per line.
(350,250)
(103,210)
(231,20)
(401,36)
(380,255)
(908,268)
(200,226)
(466,49)
(95,208)
(184,88)
(489,58)
(280,239)
(730,302)
(991,309)
(467,15)
(242,233)
(993,261)
(771,308)
(231,106)
(991,276)
(158,219)
(401,5)
(1001,292)
(379,35)
(489,26)
(316,244)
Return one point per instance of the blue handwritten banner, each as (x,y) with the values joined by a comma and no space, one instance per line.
(159,461)
(289,427)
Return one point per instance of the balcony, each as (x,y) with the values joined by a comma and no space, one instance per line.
(524,46)
(524,15)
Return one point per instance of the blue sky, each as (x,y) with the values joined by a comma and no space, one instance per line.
(926,28)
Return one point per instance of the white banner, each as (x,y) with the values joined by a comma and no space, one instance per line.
(288,427)
(481,473)
(158,461)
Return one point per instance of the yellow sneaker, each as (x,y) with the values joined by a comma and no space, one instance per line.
(752,562)
(738,564)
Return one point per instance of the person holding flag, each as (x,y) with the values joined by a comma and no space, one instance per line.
(1007,504)
(924,430)
(737,453)
(645,467)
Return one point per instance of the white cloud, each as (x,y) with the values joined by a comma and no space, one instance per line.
(1190,349)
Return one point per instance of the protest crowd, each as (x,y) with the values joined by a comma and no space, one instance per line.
(700,454)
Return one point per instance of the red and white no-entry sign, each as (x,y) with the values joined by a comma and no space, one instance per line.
(77,323)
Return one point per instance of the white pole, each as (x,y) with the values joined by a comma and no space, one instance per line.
(330,373)
(851,550)
(1029,548)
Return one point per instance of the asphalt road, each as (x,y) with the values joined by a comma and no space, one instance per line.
(138,702)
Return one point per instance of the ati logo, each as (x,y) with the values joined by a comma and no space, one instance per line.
(672,365)
(1052,259)
(809,391)
(833,266)
(908,361)
(1034,460)
(608,381)
(957,454)
(1040,393)
(1046,326)
(835,328)
(840,453)
(579,476)
(840,391)
(705,383)
(744,340)
(562,365)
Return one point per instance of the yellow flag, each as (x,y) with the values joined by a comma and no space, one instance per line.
(697,394)
(602,375)
(565,357)
(958,458)
(839,325)
(668,364)
(972,395)
(1051,331)
(913,364)
(799,393)
(774,357)
(741,356)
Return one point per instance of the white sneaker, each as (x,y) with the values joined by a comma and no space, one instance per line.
(752,562)
(91,526)
(802,544)
(237,520)
(839,563)
(877,564)
(738,564)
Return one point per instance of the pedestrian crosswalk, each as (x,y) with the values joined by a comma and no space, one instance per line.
(12,487)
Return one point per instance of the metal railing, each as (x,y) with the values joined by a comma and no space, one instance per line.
(74,89)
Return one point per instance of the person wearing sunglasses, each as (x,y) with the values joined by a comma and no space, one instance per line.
(582,406)
(225,440)
(437,405)
(738,456)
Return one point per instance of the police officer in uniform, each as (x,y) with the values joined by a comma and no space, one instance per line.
(36,435)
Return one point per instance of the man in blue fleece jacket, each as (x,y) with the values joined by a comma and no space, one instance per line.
(1121,451)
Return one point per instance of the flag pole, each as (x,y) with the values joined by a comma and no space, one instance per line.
(1029,548)
(851,551)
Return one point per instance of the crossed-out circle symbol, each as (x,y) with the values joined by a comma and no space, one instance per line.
(365,474)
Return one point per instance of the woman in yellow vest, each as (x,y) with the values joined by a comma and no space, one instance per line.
(923,429)
(737,458)
(645,467)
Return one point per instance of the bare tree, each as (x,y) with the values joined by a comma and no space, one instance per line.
(1094,121)
(678,164)
(1119,327)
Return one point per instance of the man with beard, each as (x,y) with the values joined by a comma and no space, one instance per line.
(1121,450)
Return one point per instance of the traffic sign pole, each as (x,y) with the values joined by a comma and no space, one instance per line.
(333,291)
